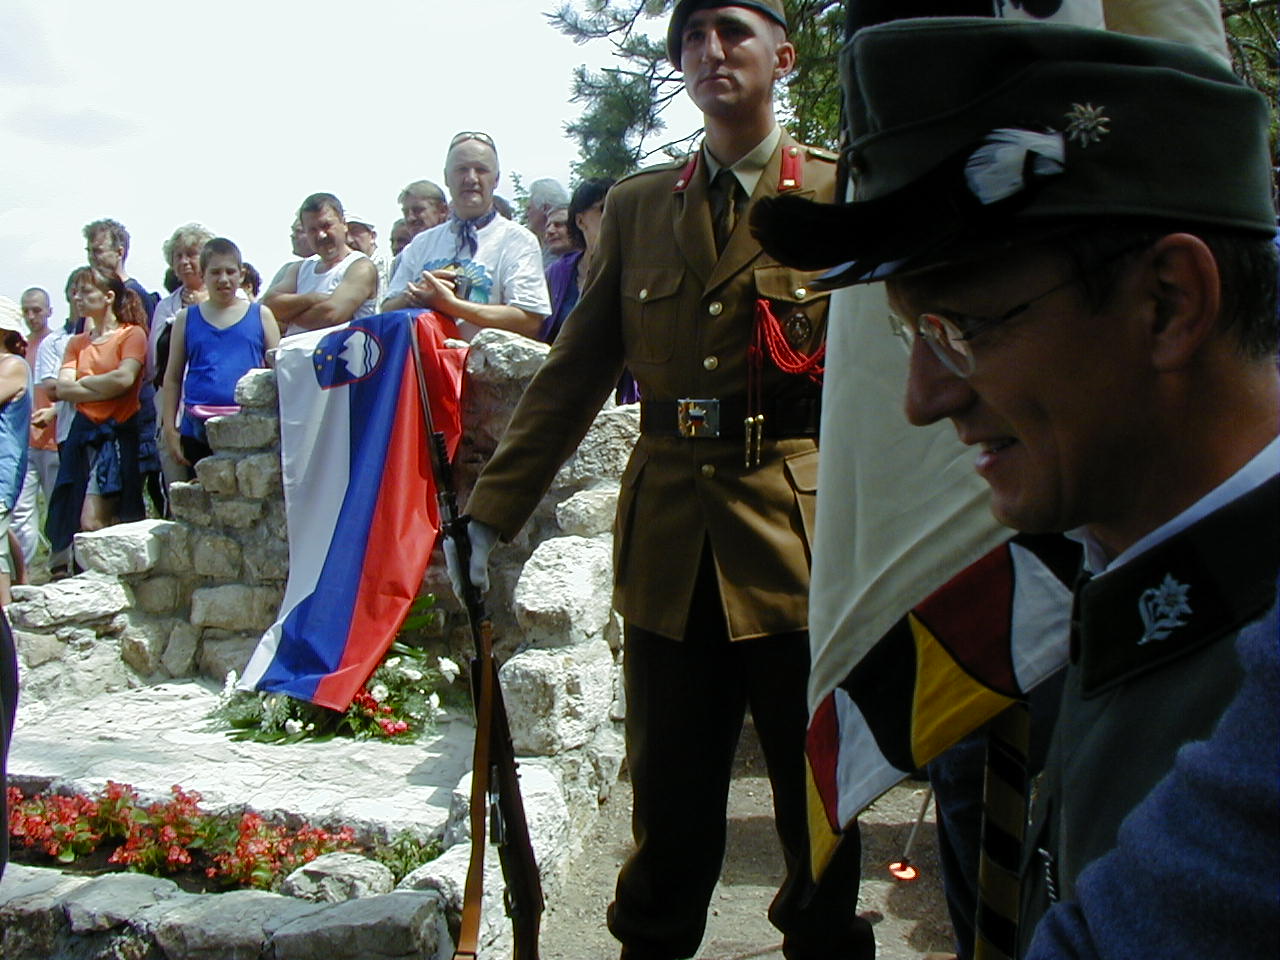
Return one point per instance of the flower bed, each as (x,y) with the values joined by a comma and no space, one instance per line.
(210,851)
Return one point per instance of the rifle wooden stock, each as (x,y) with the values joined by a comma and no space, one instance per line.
(494,763)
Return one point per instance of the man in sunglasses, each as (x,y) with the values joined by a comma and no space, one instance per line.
(714,516)
(1076,231)
(477,267)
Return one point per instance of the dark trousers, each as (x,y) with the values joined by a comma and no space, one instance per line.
(69,490)
(686,702)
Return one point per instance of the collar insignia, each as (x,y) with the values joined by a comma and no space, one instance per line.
(1086,124)
(1163,609)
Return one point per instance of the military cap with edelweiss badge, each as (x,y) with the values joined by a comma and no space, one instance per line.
(773,9)
(967,134)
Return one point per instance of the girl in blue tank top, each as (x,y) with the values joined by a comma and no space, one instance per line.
(212,346)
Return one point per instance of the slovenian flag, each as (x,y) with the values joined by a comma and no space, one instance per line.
(360,498)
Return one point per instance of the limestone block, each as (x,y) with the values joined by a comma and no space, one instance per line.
(257,388)
(38,648)
(217,475)
(606,753)
(502,355)
(565,592)
(275,524)
(190,502)
(259,475)
(32,923)
(220,654)
(243,431)
(266,560)
(158,594)
(142,644)
(86,670)
(175,548)
(447,876)
(604,451)
(588,513)
(230,926)
(336,877)
(216,556)
(74,600)
(111,901)
(237,513)
(400,924)
(557,698)
(179,658)
(235,607)
(123,548)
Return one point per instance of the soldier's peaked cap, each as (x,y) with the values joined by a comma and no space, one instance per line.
(773,9)
(964,133)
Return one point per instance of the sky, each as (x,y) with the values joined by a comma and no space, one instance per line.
(157,113)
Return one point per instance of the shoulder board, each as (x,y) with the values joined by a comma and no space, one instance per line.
(819,153)
(656,168)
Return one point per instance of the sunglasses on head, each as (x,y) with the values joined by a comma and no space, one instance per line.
(466,135)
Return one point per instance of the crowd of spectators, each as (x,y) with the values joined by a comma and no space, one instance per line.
(115,397)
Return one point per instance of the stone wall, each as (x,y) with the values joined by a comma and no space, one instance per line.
(190,597)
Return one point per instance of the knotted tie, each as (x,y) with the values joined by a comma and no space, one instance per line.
(1004,815)
(727,199)
(466,231)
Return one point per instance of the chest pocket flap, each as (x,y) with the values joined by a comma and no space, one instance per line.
(650,313)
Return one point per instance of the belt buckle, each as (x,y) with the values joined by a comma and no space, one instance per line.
(698,418)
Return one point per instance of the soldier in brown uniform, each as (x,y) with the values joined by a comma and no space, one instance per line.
(714,518)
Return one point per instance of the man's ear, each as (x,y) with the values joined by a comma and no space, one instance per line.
(786,60)
(1187,291)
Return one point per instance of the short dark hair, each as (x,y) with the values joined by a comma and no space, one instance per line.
(587,194)
(219,247)
(318,201)
(119,235)
(1247,266)
(252,279)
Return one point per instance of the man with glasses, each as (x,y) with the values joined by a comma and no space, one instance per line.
(1087,292)
(477,267)
(714,517)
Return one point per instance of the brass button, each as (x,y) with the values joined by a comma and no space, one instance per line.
(708,470)
(710,363)
(715,308)
(794,151)
(644,294)
(800,293)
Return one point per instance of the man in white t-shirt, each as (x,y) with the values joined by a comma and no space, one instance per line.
(335,285)
(477,267)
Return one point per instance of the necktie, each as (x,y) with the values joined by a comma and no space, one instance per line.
(1004,814)
(726,197)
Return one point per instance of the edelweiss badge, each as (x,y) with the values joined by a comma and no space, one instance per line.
(1086,124)
(1163,608)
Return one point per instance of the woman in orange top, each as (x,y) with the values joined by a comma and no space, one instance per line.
(98,479)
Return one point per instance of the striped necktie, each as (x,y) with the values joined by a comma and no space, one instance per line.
(1004,817)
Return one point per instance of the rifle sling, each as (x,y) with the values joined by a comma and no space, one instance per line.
(469,932)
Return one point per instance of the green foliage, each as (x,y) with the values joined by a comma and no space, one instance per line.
(623,105)
(398,702)
(405,852)
(1253,32)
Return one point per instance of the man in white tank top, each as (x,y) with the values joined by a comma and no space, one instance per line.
(335,285)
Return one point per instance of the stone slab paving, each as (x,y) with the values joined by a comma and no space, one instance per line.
(155,737)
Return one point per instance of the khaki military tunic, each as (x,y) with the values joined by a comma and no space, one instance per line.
(661,302)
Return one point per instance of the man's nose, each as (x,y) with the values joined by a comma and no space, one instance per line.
(713,50)
(933,391)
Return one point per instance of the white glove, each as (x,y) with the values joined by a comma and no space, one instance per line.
(483,537)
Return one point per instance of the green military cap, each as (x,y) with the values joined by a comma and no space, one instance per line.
(772,9)
(969,132)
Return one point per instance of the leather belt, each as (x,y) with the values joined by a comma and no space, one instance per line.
(710,417)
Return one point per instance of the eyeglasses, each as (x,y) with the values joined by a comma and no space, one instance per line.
(950,335)
(466,135)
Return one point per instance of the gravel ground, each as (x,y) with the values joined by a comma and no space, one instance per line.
(910,919)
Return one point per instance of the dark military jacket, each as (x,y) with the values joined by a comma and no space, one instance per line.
(1153,666)
(681,319)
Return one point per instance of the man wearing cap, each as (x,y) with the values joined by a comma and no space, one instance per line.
(714,521)
(362,235)
(476,267)
(1098,320)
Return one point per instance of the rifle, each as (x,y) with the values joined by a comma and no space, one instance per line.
(495,785)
